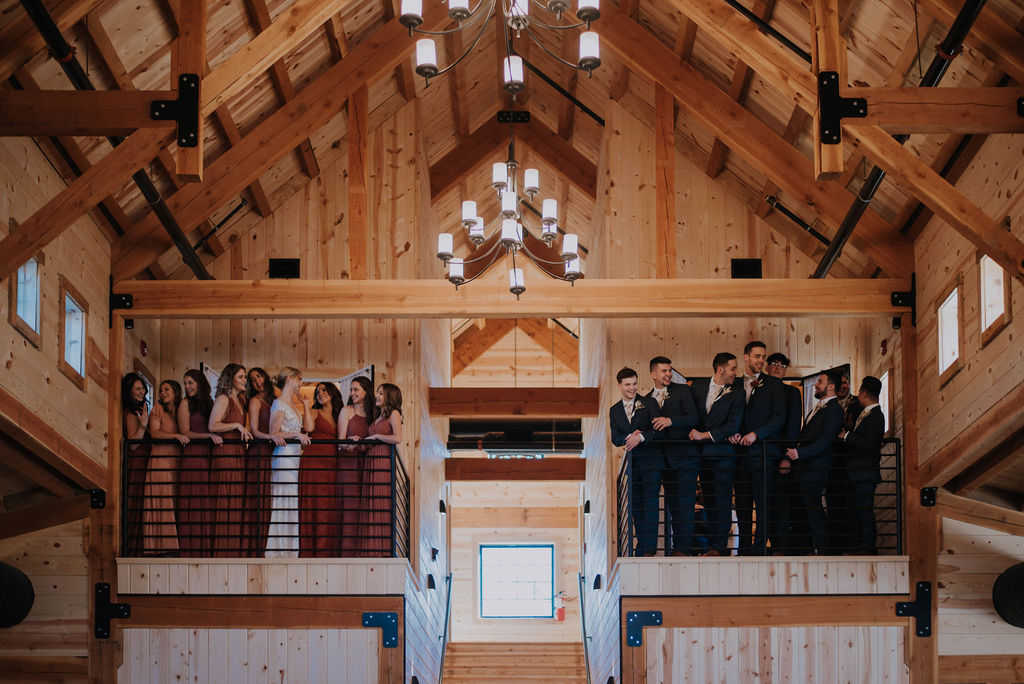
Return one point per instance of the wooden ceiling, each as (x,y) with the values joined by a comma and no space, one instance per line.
(129,45)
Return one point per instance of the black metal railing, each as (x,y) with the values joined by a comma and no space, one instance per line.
(443,637)
(583,626)
(743,503)
(328,499)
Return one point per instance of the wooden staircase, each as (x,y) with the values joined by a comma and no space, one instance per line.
(482,663)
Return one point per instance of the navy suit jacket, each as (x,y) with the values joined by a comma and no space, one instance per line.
(678,407)
(722,421)
(794,411)
(864,448)
(623,428)
(765,414)
(822,429)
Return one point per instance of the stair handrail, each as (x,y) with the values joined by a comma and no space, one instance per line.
(583,627)
(444,635)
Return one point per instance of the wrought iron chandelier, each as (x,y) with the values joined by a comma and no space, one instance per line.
(516,17)
(510,231)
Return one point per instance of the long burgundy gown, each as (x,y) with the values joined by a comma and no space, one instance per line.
(227,482)
(319,518)
(350,469)
(256,514)
(194,494)
(375,497)
(137,458)
(158,529)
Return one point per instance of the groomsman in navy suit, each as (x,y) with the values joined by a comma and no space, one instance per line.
(811,461)
(631,427)
(673,416)
(720,408)
(863,459)
(764,418)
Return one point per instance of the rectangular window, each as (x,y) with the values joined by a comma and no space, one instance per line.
(72,333)
(995,299)
(24,311)
(950,329)
(883,400)
(517,580)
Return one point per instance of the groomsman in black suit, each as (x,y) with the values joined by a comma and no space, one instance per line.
(720,408)
(863,459)
(673,416)
(784,496)
(631,428)
(811,461)
(763,418)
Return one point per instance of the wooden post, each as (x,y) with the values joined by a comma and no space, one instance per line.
(826,50)
(358,136)
(191,59)
(665,182)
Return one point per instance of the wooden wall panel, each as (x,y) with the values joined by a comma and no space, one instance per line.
(516,360)
(82,255)
(990,372)
(165,656)
(54,560)
(776,654)
(969,562)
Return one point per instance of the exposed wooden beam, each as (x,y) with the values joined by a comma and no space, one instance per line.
(1006,455)
(980,513)
(41,516)
(665,183)
(772,611)
(575,167)
(542,517)
(754,140)
(20,39)
(829,54)
(405,81)
(1003,667)
(686,35)
(514,469)
(798,121)
(472,342)
(555,339)
(457,86)
(336,40)
(566,107)
(513,402)
(190,48)
(447,171)
(85,112)
(24,462)
(52,668)
(940,110)
(589,298)
(226,611)
(358,207)
(108,174)
(230,129)
(990,35)
(279,133)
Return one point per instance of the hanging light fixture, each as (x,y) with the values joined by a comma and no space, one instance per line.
(510,231)
(515,17)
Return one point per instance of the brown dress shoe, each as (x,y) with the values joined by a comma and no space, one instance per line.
(712,552)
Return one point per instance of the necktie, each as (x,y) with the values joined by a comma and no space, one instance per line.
(629,411)
(659,394)
(712,398)
(814,410)
(860,418)
(748,385)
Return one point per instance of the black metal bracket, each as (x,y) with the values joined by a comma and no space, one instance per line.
(184,111)
(636,620)
(834,108)
(107,611)
(920,609)
(513,116)
(388,623)
(907,298)
(1020,106)
(116,301)
(97,498)
(928,496)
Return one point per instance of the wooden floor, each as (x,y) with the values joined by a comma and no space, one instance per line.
(481,663)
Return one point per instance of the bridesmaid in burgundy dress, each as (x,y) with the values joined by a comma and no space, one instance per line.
(135,426)
(260,396)
(195,505)
(159,533)
(227,467)
(375,489)
(319,519)
(353,423)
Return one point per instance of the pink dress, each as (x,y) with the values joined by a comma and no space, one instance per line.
(194,502)
(319,518)
(375,497)
(350,469)
(159,532)
(227,484)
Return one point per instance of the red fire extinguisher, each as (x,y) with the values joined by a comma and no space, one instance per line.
(560,606)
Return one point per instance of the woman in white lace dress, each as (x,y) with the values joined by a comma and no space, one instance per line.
(285,424)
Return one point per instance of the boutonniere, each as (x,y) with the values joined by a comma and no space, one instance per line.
(637,405)
(726,390)
(757,384)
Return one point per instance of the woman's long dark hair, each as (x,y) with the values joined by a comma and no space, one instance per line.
(202,403)
(392,400)
(334,393)
(226,381)
(176,401)
(268,387)
(128,404)
(367,386)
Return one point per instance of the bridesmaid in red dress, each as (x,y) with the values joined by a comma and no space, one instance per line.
(227,467)
(376,486)
(159,533)
(195,505)
(319,519)
(260,396)
(135,425)
(353,423)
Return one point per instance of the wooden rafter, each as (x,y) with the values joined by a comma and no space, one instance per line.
(754,140)
(780,68)
(554,338)
(471,343)
(1003,457)
(829,55)
(70,112)
(256,189)
(940,110)
(20,40)
(979,513)
(404,78)
(334,29)
(990,35)
(24,462)
(566,107)
(190,58)
(562,155)
(434,298)
(457,85)
(108,174)
(43,515)
(665,182)
(358,207)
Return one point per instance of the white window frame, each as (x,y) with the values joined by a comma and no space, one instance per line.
(953,293)
(30,330)
(76,375)
(997,324)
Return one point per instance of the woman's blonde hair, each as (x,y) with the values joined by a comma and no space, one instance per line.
(284,374)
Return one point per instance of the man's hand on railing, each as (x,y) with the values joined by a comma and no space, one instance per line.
(633,440)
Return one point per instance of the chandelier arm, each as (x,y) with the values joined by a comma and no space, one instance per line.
(552,54)
(482,271)
(538,262)
(468,50)
(540,5)
(474,16)
(484,255)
